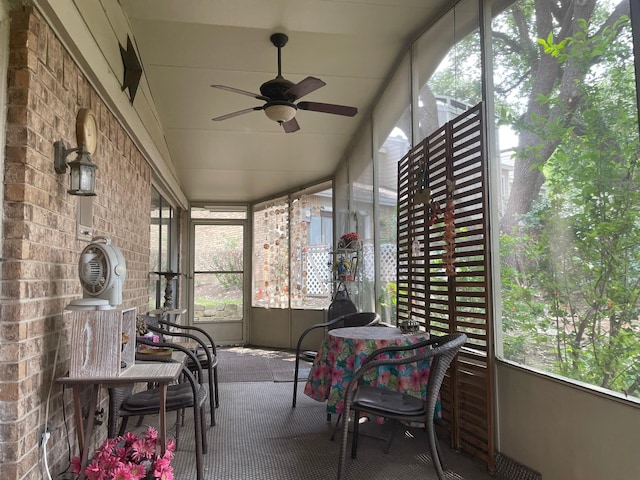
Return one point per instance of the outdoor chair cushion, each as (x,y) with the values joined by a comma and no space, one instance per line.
(178,396)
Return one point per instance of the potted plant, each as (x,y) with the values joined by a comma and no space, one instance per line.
(349,240)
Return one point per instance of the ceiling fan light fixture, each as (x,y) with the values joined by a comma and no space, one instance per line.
(280,112)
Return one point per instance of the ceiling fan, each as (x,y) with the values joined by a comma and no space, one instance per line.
(280,95)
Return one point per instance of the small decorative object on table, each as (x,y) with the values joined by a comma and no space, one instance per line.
(409,326)
(129,456)
(349,240)
(125,340)
(152,352)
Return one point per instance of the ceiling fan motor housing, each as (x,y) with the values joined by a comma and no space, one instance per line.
(275,88)
(280,107)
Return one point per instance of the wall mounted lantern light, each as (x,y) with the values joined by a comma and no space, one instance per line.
(82,179)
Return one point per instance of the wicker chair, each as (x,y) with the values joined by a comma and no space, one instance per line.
(357,319)
(205,352)
(123,403)
(395,405)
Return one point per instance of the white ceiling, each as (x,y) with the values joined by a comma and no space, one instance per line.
(187,45)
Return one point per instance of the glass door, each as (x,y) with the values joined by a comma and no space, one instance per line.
(217,287)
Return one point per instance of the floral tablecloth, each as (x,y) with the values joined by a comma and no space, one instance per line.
(342,352)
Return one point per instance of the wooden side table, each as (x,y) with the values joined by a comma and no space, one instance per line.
(161,373)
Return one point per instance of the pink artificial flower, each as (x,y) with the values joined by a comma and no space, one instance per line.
(161,464)
(95,472)
(162,469)
(122,472)
(151,446)
(141,450)
(110,463)
(129,438)
(128,458)
(121,453)
(151,434)
(109,444)
(138,471)
(171,446)
(76,464)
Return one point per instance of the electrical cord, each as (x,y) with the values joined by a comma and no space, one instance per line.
(66,474)
(46,434)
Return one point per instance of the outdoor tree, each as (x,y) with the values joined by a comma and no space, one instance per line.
(570,279)
(544,50)
(570,272)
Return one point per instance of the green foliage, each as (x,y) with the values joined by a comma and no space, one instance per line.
(207,303)
(389,295)
(556,50)
(571,269)
(459,75)
(229,259)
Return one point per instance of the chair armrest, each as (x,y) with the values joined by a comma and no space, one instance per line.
(314,327)
(208,352)
(166,333)
(399,348)
(180,348)
(212,343)
(439,343)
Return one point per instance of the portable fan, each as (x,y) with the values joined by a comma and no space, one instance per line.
(102,271)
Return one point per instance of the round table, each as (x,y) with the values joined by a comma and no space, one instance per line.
(342,352)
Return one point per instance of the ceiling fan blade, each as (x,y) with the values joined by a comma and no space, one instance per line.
(235,114)
(328,108)
(291,126)
(306,86)
(242,92)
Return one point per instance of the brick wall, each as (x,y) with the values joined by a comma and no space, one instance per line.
(40,253)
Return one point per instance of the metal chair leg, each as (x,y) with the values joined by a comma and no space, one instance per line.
(394,427)
(215,383)
(356,432)
(335,429)
(295,382)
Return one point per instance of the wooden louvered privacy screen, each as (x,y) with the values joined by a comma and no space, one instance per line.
(443,268)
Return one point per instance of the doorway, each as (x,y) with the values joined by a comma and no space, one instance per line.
(217,287)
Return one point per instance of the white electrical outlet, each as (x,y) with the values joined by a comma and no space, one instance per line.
(44,437)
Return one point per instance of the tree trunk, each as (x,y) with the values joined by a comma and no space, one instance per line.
(539,139)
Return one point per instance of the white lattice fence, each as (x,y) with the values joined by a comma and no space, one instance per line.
(387,262)
(318,270)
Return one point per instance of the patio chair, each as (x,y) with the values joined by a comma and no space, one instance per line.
(355,319)
(205,352)
(189,393)
(394,405)
(340,305)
